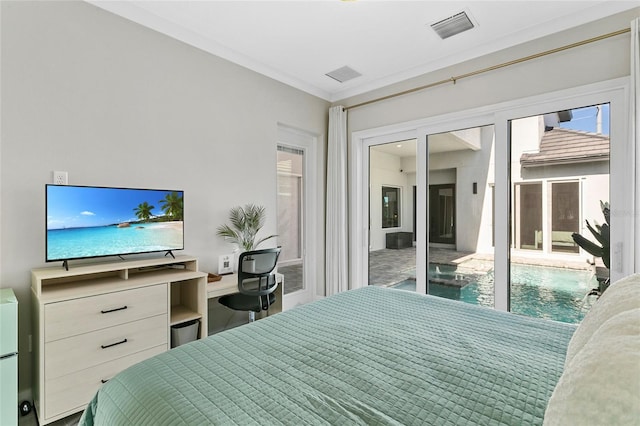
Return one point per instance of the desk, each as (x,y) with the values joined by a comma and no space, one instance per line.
(229,285)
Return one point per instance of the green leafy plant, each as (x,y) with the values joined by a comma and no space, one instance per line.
(602,247)
(245,223)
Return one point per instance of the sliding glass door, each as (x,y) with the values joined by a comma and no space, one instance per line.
(559,181)
(392,252)
(459,194)
(502,194)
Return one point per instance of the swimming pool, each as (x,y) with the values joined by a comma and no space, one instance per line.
(536,291)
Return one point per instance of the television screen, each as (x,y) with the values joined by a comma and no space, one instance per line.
(89,221)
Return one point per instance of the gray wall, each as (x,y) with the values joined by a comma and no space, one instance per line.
(595,62)
(116,104)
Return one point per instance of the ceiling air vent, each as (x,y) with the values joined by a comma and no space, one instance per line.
(343,74)
(452,25)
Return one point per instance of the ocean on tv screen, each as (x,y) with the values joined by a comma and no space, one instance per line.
(76,243)
(96,221)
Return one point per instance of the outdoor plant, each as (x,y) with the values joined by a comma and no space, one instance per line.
(601,248)
(245,223)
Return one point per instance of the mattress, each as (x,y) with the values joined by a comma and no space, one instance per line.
(372,356)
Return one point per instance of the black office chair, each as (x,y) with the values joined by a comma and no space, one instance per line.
(256,282)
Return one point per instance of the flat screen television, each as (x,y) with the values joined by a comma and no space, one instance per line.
(90,221)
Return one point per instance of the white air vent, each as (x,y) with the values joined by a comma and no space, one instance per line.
(452,25)
(343,74)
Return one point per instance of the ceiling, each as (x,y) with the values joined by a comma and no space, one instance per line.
(442,142)
(298,42)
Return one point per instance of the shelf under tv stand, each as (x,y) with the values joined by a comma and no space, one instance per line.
(93,305)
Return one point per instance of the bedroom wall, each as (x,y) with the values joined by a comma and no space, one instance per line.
(116,104)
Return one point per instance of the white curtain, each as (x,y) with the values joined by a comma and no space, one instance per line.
(634,128)
(337,272)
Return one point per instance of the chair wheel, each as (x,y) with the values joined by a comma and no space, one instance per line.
(25,408)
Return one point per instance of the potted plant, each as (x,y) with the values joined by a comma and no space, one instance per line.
(601,234)
(245,223)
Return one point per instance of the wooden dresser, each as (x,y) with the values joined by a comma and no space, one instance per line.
(92,321)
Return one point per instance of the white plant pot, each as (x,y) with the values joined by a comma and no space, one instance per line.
(249,265)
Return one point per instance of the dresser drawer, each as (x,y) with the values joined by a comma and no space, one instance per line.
(77,316)
(76,353)
(74,391)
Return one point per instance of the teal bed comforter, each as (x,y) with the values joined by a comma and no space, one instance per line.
(371,356)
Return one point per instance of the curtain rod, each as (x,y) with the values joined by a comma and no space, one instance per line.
(492,68)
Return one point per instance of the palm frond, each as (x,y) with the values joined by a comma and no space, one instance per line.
(597,233)
(588,245)
(246,222)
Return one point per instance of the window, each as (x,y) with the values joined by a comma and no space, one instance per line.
(565,216)
(528,215)
(390,207)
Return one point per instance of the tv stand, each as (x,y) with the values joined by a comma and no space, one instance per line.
(112,315)
(169,252)
(65,265)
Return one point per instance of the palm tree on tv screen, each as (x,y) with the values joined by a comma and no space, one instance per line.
(172,206)
(143,211)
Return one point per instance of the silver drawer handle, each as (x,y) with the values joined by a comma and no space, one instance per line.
(114,344)
(114,310)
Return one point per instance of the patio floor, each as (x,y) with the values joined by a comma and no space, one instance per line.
(391,266)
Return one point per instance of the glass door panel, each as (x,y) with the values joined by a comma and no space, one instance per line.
(559,176)
(290,217)
(392,252)
(460,215)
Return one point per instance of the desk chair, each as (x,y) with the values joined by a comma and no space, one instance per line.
(256,282)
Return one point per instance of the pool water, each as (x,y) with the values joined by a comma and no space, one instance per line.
(541,292)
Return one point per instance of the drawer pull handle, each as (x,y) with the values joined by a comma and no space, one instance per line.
(104,381)
(114,344)
(114,310)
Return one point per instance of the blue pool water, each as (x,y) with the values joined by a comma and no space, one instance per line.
(542,292)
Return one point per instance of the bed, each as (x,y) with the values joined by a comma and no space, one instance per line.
(371,356)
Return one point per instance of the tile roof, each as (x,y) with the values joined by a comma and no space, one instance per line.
(564,146)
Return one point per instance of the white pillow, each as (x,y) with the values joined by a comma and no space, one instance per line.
(601,386)
(621,296)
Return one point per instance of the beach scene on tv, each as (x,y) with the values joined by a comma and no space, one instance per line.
(93,221)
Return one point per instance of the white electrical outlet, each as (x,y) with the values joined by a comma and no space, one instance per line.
(60,178)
